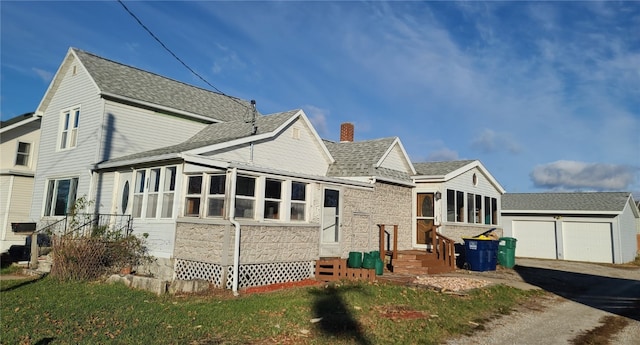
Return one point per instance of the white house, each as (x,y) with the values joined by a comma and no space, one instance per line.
(225,193)
(460,198)
(593,227)
(19,138)
(219,188)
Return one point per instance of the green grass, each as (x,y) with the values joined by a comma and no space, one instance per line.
(46,311)
(10,269)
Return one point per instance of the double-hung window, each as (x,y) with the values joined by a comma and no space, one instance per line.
(22,156)
(138,193)
(194,194)
(298,200)
(152,192)
(69,128)
(272,198)
(169,192)
(245,197)
(215,197)
(61,196)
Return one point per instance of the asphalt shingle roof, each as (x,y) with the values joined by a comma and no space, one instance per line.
(360,157)
(218,133)
(439,168)
(585,201)
(133,83)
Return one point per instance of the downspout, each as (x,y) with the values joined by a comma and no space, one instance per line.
(232,219)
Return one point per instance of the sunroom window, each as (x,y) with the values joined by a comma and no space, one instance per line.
(298,200)
(215,197)
(154,190)
(194,193)
(245,197)
(272,199)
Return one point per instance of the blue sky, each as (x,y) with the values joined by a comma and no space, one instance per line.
(545,94)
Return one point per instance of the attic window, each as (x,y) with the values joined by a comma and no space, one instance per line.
(74,70)
(296,133)
(474,180)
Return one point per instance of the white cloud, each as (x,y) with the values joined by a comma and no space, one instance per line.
(318,118)
(44,75)
(573,175)
(441,155)
(488,141)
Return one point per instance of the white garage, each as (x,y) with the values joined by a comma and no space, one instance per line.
(536,239)
(592,227)
(587,241)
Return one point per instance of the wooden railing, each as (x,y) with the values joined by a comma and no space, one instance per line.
(443,248)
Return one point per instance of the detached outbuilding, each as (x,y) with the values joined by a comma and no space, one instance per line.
(590,226)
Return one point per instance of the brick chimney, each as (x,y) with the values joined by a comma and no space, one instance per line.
(346,132)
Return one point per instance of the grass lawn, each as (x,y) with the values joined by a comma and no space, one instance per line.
(46,311)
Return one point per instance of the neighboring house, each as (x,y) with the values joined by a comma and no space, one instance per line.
(592,226)
(19,138)
(465,196)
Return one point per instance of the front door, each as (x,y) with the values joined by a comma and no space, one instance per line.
(330,231)
(424,217)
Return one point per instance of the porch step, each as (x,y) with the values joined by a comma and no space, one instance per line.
(419,262)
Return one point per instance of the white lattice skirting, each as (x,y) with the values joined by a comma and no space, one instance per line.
(192,270)
(271,273)
(250,275)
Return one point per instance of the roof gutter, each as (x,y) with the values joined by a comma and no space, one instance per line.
(232,219)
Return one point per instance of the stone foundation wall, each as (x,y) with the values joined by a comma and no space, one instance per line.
(279,243)
(199,240)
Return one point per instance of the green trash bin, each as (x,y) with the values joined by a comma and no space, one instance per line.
(355,260)
(507,251)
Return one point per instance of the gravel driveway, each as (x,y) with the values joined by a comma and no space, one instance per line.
(582,295)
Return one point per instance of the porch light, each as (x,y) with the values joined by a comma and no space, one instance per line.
(438,195)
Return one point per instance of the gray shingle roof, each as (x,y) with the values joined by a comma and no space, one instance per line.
(439,168)
(586,201)
(219,133)
(122,80)
(358,158)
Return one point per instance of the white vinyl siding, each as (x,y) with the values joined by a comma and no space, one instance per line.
(396,160)
(15,200)
(285,153)
(73,91)
(104,192)
(137,130)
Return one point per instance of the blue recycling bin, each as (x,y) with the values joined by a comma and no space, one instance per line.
(481,255)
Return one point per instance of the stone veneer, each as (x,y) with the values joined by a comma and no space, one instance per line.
(212,241)
(364,209)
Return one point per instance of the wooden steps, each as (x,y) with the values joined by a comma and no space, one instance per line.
(419,262)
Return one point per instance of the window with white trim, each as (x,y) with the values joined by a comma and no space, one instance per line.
(61,196)
(154,190)
(22,155)
(215,197)
(298,201)
(69,128)
(245,197)
(194,194)
(168,192)
(272,198)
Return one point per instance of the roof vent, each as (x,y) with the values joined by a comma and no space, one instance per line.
(346,132)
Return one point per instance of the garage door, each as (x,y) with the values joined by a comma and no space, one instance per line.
(587,241)
(536,239)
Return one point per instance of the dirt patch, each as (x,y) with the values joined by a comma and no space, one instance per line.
(400,312)
(603,334)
